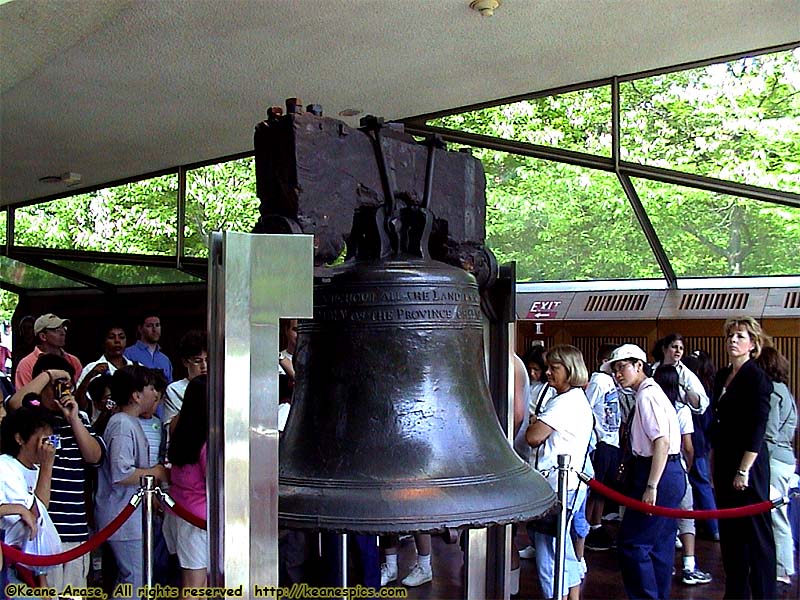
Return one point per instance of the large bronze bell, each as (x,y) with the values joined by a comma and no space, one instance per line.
(392,428)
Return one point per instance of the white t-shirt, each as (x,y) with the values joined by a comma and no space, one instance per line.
(17,485)
(100,361)
(604,400)
(686,426)
(571,419)
(174,401)
(689,382)
(685,419)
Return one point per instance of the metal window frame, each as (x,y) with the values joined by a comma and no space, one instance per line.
(417,125)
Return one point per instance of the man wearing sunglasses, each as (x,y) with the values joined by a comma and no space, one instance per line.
(51,337)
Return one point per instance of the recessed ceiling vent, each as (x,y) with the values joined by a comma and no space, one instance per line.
(714,301)
(792,300)
(616,302)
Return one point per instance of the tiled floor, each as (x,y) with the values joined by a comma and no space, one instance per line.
(603,580)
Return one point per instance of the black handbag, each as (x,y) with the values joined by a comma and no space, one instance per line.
(626,458)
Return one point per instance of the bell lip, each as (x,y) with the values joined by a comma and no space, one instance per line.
(332,515)
(429,524)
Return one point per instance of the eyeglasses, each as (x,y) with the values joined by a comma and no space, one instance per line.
(618,366)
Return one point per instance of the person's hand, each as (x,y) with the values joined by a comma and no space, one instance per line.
(30,521)
(46,452)
(649,496)
(741,482)
(160,472)
(68,406)
(98,369)
(56,374)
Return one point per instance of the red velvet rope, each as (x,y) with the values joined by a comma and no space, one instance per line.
(187,516)
(676,513)
(46,560)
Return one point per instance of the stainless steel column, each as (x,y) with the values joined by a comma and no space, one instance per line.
(148,483)
(475,564)
(254,280)
(563,517)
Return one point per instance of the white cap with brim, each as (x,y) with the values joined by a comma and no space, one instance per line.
(625,351)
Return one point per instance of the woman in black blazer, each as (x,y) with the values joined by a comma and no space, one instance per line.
(741,463)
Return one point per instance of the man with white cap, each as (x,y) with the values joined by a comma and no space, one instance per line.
(646,543)
(51,336)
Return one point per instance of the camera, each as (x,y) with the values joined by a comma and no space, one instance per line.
(55,440)
(62,389)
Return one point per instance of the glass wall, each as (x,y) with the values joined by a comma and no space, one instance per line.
(579,121)
(712,235)
(561,222)
(738,121)
(135,218)
(220,197)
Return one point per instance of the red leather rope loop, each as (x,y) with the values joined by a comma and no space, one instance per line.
(676,513)
(184,514)
(46,560)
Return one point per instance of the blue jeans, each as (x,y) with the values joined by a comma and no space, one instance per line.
(646,543)
(700,480)
(546,560)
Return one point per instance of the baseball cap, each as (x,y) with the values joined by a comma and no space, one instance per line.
(48,321)
(621,353)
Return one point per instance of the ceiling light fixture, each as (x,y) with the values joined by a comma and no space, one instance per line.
(485,7)
(69,178)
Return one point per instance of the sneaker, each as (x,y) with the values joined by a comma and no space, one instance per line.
(678,544)
(387,574)
(612,516)
(696,577)
(598,540)
(527,552)
(417,576)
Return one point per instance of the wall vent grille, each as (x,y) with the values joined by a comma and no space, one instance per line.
(616,302)
(714,301)
(792,300)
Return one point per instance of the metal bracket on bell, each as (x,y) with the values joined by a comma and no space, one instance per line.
(386,217)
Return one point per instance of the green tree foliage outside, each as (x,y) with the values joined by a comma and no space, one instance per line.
(220,197)
(737,121)
(135,218)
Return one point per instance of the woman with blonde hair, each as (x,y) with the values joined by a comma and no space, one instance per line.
(561,424)
(741,462)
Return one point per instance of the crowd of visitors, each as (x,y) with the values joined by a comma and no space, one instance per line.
(671,432)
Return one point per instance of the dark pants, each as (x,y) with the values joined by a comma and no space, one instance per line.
(702,492)
(646,543)
(363,561)
(747,544)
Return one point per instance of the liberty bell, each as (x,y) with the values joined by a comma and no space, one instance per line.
(392,428)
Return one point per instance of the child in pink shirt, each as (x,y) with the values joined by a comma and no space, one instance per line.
(187,453)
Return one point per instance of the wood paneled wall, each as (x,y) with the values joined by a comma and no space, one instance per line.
(701,334)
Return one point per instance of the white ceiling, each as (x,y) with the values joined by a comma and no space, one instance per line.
(116,88)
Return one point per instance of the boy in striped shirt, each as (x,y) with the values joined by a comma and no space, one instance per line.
(80,448)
